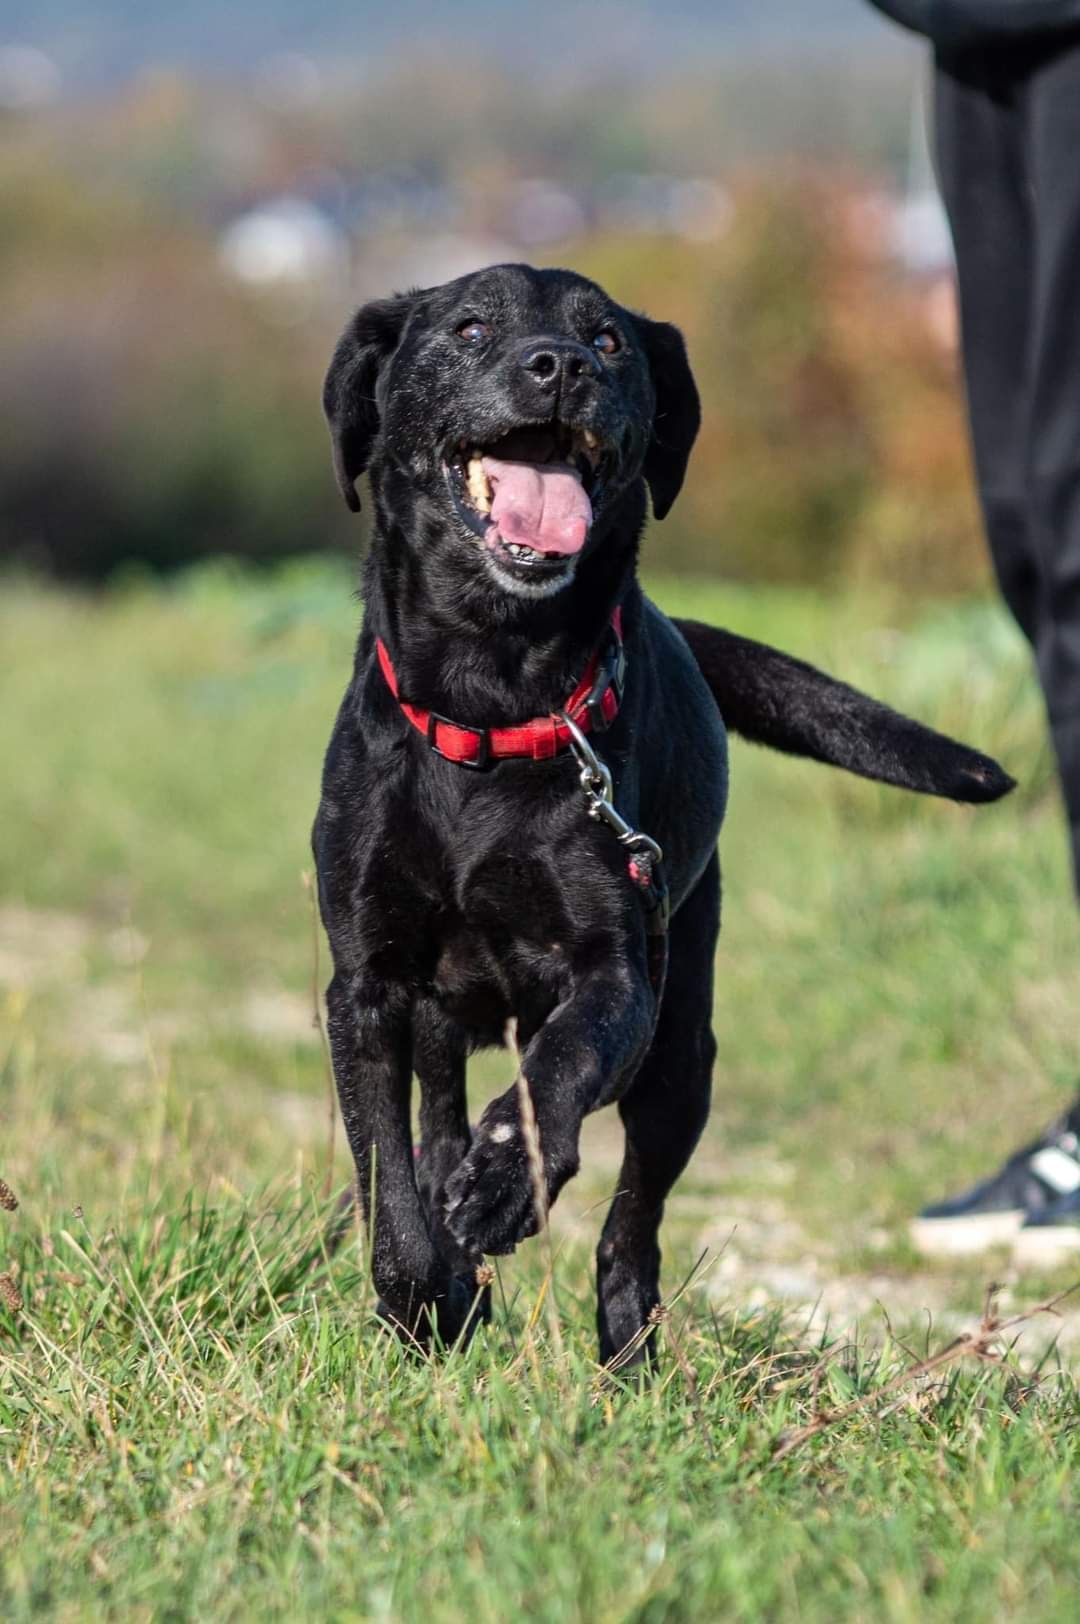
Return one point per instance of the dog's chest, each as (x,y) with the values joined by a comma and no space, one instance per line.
(510,922)
(481,981)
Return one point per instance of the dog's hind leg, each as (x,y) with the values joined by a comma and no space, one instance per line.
(663,1112)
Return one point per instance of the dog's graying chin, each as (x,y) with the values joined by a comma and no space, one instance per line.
(515,424)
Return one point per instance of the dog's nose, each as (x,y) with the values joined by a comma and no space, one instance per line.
(555,361)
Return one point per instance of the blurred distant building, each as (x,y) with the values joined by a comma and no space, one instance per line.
(920,234)
(424,262)
(398,198)
(696,208)
(286,240)
(541,211)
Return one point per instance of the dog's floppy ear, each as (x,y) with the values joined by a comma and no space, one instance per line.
(350,393)
(678,412)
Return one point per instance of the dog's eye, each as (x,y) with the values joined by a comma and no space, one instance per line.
(474,332)
(606,341)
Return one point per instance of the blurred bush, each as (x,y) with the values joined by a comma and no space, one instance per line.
(148,411)
(833,443)
(154,411)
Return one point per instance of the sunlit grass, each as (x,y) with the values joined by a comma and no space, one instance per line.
(197,1414)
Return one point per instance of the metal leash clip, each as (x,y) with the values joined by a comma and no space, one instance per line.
(595,780)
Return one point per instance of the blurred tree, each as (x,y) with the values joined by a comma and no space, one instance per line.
(149,410)
(152,410)
(832,441)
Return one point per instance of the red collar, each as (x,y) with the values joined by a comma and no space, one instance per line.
(593,705)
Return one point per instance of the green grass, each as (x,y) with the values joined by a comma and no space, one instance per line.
(197,1415)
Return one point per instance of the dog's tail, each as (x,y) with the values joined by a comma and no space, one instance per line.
(776,700)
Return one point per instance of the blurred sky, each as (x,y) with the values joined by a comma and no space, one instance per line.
(96,42)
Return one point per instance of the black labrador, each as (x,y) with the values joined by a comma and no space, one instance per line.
(528,774)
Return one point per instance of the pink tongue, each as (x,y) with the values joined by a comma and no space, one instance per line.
(539,505)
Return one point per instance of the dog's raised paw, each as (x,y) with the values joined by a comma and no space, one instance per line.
(491,1199)
(490,1203)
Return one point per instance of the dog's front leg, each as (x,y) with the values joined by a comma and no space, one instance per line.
(583,1057)
(369,1024)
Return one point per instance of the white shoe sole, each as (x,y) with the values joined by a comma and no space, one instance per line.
(1046,1245)
(963,1237)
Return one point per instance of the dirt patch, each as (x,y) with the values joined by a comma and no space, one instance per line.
(40,944)
(758,1254)
(280,1016)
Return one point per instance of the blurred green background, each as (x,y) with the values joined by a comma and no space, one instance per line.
(196,1418)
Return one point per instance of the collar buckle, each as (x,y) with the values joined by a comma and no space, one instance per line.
(476,763)
(610,678)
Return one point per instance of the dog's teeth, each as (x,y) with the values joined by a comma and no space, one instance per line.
(479,489)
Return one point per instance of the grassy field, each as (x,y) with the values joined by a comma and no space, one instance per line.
(198,1417)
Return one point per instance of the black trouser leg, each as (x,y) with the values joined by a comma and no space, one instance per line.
(1053,130)
(1008,148)
(981,172)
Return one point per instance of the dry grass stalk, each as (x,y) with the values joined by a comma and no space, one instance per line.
(981,1344)
(538,1179)
(660,1314)
(690,1377)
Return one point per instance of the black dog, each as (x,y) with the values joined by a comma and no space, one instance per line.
(512,422)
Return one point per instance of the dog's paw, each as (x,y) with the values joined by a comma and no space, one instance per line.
(455,1312)
(628,1321)
(628,1295)
(491,1203)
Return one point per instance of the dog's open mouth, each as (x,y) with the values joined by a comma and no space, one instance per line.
(530,495)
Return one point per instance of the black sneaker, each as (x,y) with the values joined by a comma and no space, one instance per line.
(1051,1235)
(1032,1183)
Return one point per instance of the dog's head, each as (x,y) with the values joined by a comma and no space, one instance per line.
(516,409)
